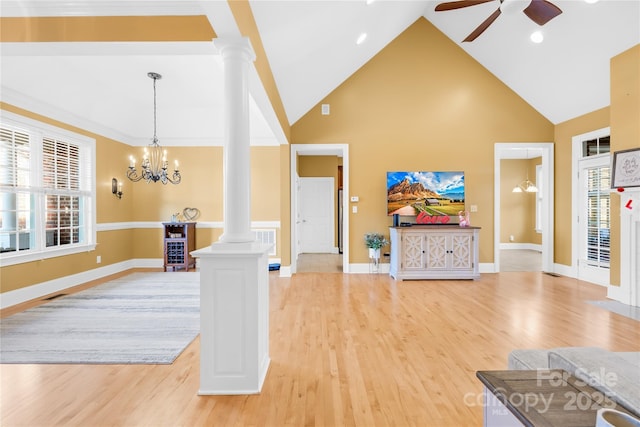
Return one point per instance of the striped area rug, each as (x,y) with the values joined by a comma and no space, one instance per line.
(142,318)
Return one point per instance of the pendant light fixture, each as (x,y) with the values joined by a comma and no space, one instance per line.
(526,185)
(154,161)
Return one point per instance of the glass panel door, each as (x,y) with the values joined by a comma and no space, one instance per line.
(594,219)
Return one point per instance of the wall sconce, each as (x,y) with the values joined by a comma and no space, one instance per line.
(116,188)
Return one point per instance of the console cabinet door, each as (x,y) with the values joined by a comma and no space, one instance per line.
(437,251)
(413,251)
(461,252)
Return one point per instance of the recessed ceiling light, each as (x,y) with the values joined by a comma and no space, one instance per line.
(536,37)
(361,38)
(371,1)
(591,1)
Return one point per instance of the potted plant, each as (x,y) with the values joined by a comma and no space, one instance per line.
(374,242)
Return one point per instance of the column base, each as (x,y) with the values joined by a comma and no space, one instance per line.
(234,318)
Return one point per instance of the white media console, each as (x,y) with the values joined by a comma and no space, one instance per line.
(434,252)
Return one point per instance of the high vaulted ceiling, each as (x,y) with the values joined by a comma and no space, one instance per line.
(311,48)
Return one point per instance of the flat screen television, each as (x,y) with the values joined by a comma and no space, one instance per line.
(436,193)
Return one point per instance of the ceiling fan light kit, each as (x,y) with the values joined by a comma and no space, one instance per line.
(539,11)
(537,37)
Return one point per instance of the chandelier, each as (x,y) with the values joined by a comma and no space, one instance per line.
(154,161)
(526,185)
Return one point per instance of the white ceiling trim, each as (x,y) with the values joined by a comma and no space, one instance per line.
(30,8)
(35,106)
(108,48)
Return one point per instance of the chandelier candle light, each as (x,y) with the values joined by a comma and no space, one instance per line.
(154,161)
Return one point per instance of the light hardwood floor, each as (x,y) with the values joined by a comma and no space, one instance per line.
(356,350)
(319,263)
(520,260)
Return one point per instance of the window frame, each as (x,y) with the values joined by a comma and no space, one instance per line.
(38,131)
(539,198)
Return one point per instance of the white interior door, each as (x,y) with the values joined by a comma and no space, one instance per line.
(316,215)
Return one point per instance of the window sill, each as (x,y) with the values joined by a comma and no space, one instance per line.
(13,258)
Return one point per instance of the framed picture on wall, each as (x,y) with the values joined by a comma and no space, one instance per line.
(626,168)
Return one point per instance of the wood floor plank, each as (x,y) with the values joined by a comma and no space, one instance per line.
(346,350)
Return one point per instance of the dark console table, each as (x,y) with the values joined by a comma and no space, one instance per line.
(541,398)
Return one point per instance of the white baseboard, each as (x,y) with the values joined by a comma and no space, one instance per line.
(616,293)
(285,271)
(527,246)
(487,267)
(7,299)
(564,270)
(148,262)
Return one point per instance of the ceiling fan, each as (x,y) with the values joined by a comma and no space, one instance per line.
(539,11)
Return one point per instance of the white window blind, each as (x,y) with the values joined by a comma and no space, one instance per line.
(16,206)
(598,247)
(47,190)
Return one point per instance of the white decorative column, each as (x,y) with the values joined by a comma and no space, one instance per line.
(237,55)
(234,272)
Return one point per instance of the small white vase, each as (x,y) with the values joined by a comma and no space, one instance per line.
(374,253)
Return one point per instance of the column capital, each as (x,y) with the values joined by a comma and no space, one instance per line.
(235,46)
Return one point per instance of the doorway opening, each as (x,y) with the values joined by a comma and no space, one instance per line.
(543,199)
(342,222)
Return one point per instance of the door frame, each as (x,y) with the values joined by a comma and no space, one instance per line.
(518,150)
(576,154)
(341,150)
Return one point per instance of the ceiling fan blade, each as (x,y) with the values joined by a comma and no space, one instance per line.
(542,11)
(471,37)
(450,5)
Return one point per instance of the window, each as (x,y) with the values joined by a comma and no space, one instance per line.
(597,216)
(47,190)
(595,146)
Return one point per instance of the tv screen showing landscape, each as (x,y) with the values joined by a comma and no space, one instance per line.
(436,193)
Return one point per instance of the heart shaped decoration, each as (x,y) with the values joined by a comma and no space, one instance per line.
(190,213)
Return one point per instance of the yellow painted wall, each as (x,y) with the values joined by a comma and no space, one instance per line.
(265,183)
(625,131)
(422,103)
(518,210)
(564,132)
(201,186)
